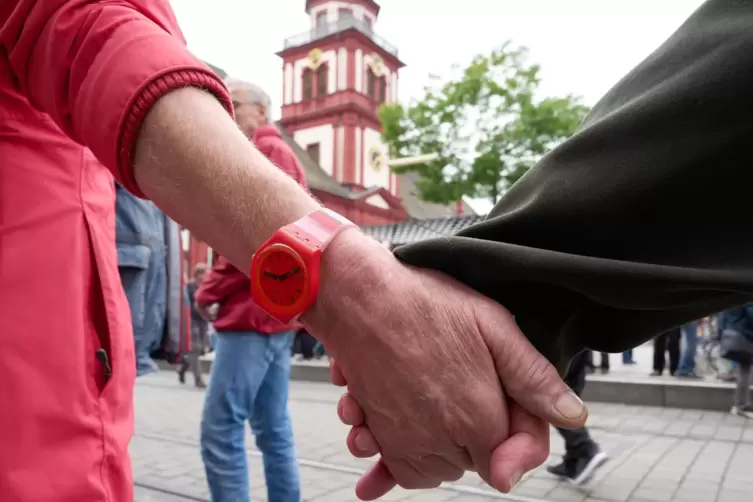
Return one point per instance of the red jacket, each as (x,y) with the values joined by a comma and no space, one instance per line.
(230,287)
(73,73)
(269,142)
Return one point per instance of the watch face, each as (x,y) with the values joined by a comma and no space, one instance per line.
(282,276)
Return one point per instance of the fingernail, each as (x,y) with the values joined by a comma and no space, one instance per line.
(570,406)
(361,442)
(515,478)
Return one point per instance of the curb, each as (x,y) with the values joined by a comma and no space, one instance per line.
(637,392)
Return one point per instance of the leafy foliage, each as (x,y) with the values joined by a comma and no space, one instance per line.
(484,123)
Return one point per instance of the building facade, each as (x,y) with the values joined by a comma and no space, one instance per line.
(335,77)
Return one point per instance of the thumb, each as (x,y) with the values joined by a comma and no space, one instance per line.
(528,377)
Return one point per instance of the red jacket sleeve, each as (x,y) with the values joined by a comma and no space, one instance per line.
(283,157)
(222,281)
(97,67)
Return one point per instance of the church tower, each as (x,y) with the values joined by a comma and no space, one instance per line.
(335,77)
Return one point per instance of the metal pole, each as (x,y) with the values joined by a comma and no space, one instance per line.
(412,161)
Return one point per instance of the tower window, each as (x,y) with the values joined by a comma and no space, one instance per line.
(345,14)
(371,82)
(322,79)
(308,84)
(382,81)
(313,151)
(321,19)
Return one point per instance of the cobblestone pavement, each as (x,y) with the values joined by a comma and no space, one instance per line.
(656,454)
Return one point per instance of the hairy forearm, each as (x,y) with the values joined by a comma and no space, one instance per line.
(195,164)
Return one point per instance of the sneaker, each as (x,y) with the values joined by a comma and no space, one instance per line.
(578,471)
(585,467)
(742,411)
(559,470)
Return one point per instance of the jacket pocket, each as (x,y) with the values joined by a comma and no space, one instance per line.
(133,263)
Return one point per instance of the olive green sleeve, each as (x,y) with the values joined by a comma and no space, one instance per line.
(643,219)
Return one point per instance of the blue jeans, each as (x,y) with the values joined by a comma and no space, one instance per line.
(249,381)
(627,356)
(687,359)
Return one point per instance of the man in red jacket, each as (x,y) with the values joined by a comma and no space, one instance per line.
(251,368)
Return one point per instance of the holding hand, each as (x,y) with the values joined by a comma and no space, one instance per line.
(429,365)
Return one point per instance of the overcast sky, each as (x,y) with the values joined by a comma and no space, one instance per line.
(583,46)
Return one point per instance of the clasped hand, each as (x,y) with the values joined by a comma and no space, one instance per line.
(440,381)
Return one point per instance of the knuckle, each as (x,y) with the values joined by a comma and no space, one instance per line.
(531,375)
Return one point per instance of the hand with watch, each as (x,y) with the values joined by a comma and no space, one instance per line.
(440,380)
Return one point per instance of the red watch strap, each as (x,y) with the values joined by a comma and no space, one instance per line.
(322,226)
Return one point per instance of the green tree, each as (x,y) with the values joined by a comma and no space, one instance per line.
(485,123)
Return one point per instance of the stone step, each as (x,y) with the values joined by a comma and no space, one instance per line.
(632,390)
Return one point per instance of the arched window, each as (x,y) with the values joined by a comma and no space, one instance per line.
(371,84)
(322,80)
(382,89)
(308,84)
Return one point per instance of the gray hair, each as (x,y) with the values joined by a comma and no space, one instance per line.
(246,93)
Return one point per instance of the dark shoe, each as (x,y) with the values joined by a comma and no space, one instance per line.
(559,470)
(656,373)
(585,467)
(579,470)
(745,411)
(604,371)
(631,362)
(201,385)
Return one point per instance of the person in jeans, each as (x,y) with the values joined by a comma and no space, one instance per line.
(686,368)
(251,369)
(199,330)
(736,327)
(582,454)
(667,342)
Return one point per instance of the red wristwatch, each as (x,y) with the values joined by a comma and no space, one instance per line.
(285,269)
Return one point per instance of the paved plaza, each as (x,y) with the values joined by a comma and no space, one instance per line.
(656,454)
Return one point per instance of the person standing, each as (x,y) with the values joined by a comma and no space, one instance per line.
(667,342)
(251,369)
(686,367)
(199,330)
(736,327)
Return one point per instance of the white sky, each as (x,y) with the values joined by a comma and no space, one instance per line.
(583,46)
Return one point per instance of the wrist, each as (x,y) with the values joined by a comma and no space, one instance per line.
(355,268)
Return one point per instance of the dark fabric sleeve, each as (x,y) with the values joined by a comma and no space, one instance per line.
(642,220)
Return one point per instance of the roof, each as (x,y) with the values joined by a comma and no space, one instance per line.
(421,209)
(414,230)
(316,177)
